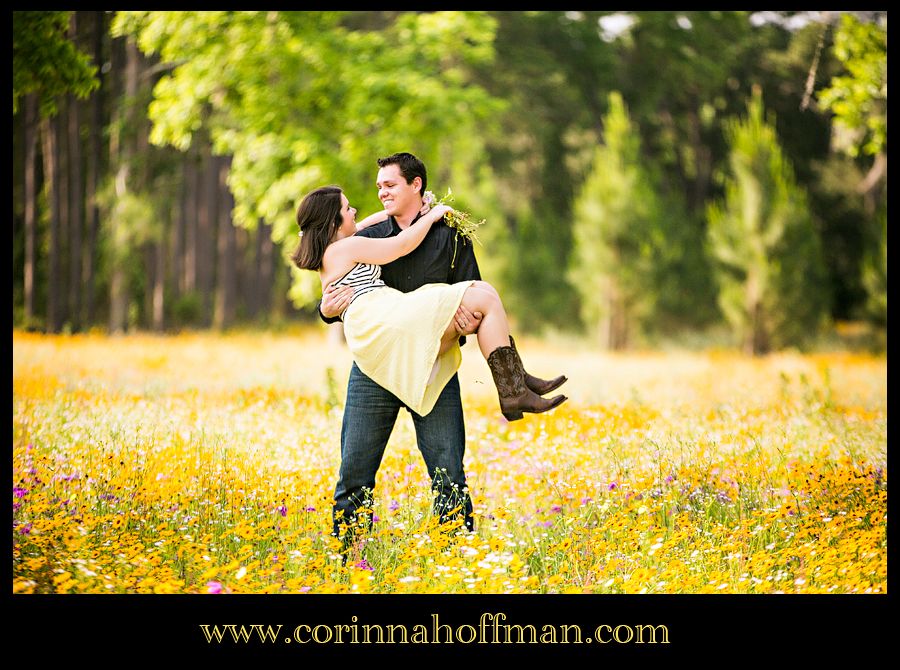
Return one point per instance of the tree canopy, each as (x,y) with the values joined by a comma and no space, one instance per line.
(45,61)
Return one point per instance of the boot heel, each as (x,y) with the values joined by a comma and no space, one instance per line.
(512,416)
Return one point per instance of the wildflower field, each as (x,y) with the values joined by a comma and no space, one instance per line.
(204,463)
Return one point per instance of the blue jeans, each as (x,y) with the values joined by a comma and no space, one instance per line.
(369,416)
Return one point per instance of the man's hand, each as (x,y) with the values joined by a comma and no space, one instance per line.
(467,322)
(335,300)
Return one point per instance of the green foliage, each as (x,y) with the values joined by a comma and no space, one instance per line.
(874,271)
(306,289)
(682,73)
(187,309)
(129,218)
(46,62)
(505,108)
(681,270)
(767,254)
(299,99)
(553,70)
(858,98)
(616,233)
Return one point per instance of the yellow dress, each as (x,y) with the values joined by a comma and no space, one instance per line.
(395,337)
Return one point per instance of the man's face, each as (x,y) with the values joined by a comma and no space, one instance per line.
(395,194)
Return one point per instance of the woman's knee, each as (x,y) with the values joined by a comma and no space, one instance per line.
(485,286)
(481,299)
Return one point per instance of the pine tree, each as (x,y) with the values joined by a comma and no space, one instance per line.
(615,217)
(767,256)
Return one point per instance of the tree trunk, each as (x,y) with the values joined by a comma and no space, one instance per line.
(242,271)
(614,326)
(192,184)
(30,204)
(265,253)
(51,182)
(756,337)
(76,200)
(251,280)
(76,196)
(251,273)
(93,176)
(876,175)
(757,342)
(62,167)
(159,281)
(702,161)
(178,232)
(206,233)
(141,183)
(618,320)
(119,294)
(225,276)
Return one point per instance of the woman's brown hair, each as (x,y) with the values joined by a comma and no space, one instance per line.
(319,216)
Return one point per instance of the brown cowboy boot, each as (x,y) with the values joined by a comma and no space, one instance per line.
(515,396)
(536,384)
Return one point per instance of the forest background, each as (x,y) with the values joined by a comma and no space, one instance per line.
(647,178)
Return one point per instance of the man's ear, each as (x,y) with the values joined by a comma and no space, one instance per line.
(417,184)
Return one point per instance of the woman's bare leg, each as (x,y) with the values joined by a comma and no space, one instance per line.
(510,377)
(494,329)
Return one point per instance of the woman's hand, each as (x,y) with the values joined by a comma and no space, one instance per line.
(439,210)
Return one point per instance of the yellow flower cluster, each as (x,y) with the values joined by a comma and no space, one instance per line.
(165,465)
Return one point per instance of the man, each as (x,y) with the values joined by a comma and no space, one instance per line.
(372,410)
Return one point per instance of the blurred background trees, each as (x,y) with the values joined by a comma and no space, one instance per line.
(645,175)
(767,256)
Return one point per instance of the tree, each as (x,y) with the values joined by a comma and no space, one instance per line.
(46,62)
(614,231)
(679,72)
(874,271)
(505,107)
(858,99)
(47,66)
(767,254)
(277,92)
(858,96)
(553,71)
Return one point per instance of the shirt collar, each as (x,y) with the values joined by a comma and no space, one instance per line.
(396,226)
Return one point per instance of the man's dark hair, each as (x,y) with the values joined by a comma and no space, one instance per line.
(410,167)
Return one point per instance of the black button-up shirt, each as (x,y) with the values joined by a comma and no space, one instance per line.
(432,262)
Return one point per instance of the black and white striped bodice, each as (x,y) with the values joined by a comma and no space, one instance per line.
(364,278)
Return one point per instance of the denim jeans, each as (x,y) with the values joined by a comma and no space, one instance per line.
(369,416)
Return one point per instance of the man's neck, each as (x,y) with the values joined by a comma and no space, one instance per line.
(405,219)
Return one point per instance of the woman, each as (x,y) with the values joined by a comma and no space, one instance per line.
(407,342)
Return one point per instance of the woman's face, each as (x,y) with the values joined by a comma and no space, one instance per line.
(348,218)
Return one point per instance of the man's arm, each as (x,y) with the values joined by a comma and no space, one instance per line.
(333,302)
(325,318)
